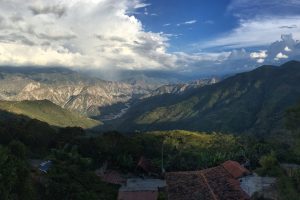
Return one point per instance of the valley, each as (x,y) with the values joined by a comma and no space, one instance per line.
(96,129)
(78,92)
(149,100)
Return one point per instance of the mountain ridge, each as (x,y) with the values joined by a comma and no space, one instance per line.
(247,102)
(46,111)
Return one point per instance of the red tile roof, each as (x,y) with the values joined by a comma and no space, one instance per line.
(138,195)
(210,184)
(235,169)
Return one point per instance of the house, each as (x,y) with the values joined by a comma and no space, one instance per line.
(141,189)
(261,186)
(216,183)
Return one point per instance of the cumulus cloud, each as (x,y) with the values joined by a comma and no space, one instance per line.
(261,60)
(281,56)
(54,9)
(80,33)
(287,49)
(105,34)
(259,56)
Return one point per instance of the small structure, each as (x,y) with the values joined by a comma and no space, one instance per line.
(45,166)
(216,183)
(263,186)
(141,189)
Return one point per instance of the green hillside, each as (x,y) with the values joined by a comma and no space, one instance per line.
(248,102)
(49,112)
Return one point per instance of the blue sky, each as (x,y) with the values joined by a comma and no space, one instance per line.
(201,37)
(211,18)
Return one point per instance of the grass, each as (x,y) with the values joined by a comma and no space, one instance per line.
(48,112)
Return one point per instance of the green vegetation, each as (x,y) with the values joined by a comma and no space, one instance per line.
(71,176)
(48,112)
(76,156)
(183,150)
(15,182)
(253,102)
(241,104)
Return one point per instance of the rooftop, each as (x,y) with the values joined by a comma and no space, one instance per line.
(235,169)
(215,183)
(141,189)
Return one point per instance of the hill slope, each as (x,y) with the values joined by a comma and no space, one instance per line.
(248,102)
(49,112)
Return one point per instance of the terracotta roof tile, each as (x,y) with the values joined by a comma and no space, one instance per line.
(210,184)
(235,169)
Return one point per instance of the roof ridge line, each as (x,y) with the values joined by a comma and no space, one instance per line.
(210,189)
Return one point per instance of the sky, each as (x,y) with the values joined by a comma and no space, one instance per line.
(184,36)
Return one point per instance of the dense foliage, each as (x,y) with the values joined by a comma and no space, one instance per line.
(71,177)
(76,153)
(252,102)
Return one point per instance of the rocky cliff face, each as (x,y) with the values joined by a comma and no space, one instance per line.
(68,89)
(78,92)
(180,88)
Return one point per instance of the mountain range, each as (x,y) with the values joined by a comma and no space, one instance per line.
(66,88)
(72,90)
(250,102)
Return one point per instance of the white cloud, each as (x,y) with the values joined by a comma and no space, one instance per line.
(260,54)
(190,22)
(141,5)
(261,60)
(187,22)
(80,33)
(287,49)
(281,56)
(260,31)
